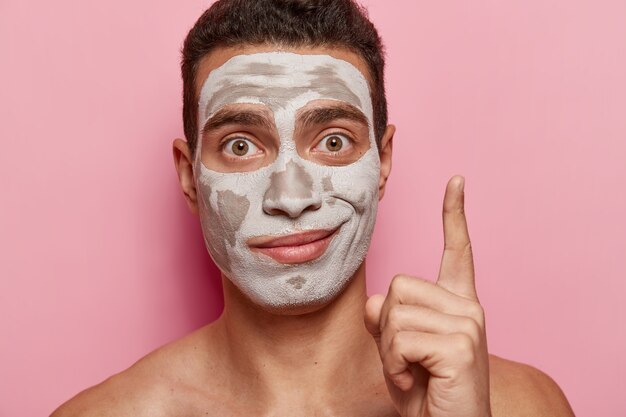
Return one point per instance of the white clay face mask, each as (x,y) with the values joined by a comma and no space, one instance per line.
(257,225)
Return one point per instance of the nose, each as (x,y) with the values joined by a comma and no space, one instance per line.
(290,192)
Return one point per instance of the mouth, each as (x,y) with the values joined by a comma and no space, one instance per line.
(294,248)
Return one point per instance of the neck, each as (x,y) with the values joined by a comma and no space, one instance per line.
(310,353)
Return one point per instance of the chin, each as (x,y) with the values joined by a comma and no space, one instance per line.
(297,302)
(294,309)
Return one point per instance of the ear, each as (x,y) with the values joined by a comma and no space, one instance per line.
(184,167)
(386,146)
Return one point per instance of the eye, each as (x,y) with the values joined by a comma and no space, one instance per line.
(334,143)
(240,147)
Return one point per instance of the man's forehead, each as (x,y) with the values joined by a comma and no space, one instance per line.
(220,55)
(276,79)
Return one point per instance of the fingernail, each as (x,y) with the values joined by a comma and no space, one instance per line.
(462,184)
(403,382)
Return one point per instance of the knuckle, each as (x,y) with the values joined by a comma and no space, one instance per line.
(477,313)
(397,283)
(466,325)
(472,329)
(398,341)
(464,349)
(394,316)
(402,282)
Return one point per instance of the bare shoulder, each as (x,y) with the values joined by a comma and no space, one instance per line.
(522,390)
(125,394)
(163,383)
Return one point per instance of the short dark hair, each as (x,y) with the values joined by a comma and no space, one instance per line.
(333,23)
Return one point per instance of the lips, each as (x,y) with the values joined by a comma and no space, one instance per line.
(294,248)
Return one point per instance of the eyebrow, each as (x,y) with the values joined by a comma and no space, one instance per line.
(236,117)
(323,115)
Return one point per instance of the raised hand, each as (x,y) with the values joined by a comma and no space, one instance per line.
(431,337)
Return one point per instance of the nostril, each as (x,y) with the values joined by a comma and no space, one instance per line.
(315,205)
(291,207)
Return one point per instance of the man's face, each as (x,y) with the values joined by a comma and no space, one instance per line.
(287,173)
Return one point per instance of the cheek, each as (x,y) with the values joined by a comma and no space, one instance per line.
(224,210)
(232,210)
(212,231)
(356,183)
(234,204)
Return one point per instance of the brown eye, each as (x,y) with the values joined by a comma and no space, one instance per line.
(334,143)
(240,147)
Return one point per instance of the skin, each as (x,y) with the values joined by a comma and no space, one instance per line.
(418,351)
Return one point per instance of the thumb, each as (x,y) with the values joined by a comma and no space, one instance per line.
(373,308)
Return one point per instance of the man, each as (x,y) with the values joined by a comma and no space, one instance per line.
(288,152)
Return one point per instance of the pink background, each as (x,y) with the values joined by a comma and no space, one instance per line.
(101,262)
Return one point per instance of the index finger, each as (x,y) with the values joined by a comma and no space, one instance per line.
(456,273)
